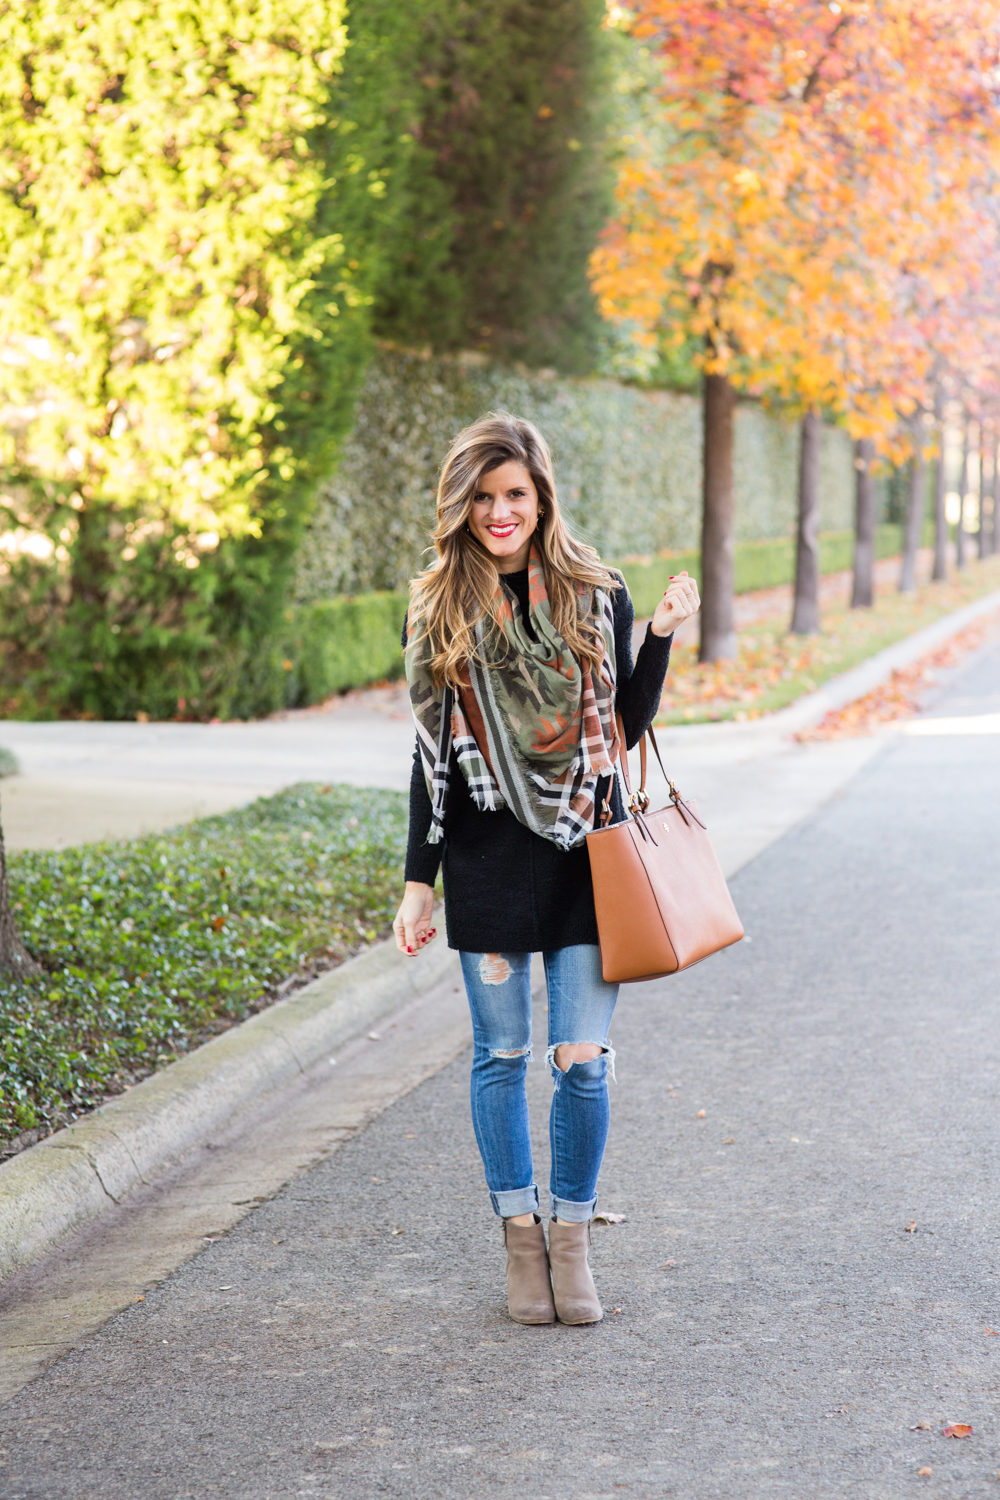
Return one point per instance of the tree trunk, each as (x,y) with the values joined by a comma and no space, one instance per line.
(863,595)
(940,573)
(718,560)
(14,957)
(987,498)
(963,479)
(914,515)
(805,614)
(985,537)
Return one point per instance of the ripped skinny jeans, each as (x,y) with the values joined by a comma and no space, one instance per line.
(581,1005)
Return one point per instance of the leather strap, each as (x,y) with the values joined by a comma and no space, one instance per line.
(640,801)
(640,798)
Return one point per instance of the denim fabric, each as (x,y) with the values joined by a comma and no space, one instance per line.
(581,1005)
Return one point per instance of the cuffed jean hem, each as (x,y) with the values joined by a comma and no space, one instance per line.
(571,1213)
(515,1201)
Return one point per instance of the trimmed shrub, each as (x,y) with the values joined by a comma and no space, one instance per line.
(335,644)
(628,463)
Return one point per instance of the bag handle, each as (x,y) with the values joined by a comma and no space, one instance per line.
(638,801)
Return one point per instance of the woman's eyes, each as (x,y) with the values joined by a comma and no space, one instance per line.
(511,495)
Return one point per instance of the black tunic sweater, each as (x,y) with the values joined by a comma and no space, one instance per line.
(507,889)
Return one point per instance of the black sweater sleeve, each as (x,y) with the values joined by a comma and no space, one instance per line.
(423,860)
(640,685)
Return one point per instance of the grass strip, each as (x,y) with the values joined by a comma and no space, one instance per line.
(153,945)
(773,668)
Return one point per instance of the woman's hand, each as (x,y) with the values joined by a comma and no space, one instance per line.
(678,604)
(413,920)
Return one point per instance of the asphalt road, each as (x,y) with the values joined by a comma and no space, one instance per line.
(805,1274)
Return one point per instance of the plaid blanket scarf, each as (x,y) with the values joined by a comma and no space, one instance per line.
(533,732)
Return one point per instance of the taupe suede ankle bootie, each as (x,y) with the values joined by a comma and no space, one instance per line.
(529,1290)
(572,1284)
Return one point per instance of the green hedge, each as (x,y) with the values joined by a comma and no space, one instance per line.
(759,565)
(335,644)
(628,465)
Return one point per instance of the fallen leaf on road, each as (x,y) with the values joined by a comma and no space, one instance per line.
(616,1310)
(395,1231)
(926,1473)
(921,1427)
(911,1226)
(991,1330)
(957,1429)
(730,1141)
(701,1114)
(668,1263)
(603,1218)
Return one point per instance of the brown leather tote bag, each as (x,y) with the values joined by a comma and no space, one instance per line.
(661,899)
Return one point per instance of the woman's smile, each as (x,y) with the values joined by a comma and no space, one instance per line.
(504,515)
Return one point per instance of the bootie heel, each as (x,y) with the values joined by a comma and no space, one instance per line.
(529,1289)
(573,1286)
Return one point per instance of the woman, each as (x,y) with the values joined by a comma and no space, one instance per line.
(518,655)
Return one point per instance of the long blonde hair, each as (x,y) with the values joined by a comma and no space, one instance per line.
(461,586)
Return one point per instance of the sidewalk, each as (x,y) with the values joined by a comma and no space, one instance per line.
(82,781)
(800,1298)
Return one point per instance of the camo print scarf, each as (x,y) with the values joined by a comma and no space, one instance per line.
(532,733)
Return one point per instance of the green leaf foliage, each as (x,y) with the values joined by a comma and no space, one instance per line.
(514,109)
(195,212)
(176,294)
(151,945)
(207,207)
(336,644)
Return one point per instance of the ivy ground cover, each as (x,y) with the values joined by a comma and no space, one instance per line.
(153,945)
(773,668)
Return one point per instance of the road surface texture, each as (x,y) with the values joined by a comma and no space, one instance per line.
(806,1273)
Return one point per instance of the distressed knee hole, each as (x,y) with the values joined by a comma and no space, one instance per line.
(511,1052)
(494,969)
(565,1054)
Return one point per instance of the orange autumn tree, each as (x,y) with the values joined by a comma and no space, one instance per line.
(773,211)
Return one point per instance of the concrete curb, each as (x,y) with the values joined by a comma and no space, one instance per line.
(64,1182)
(870,674)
